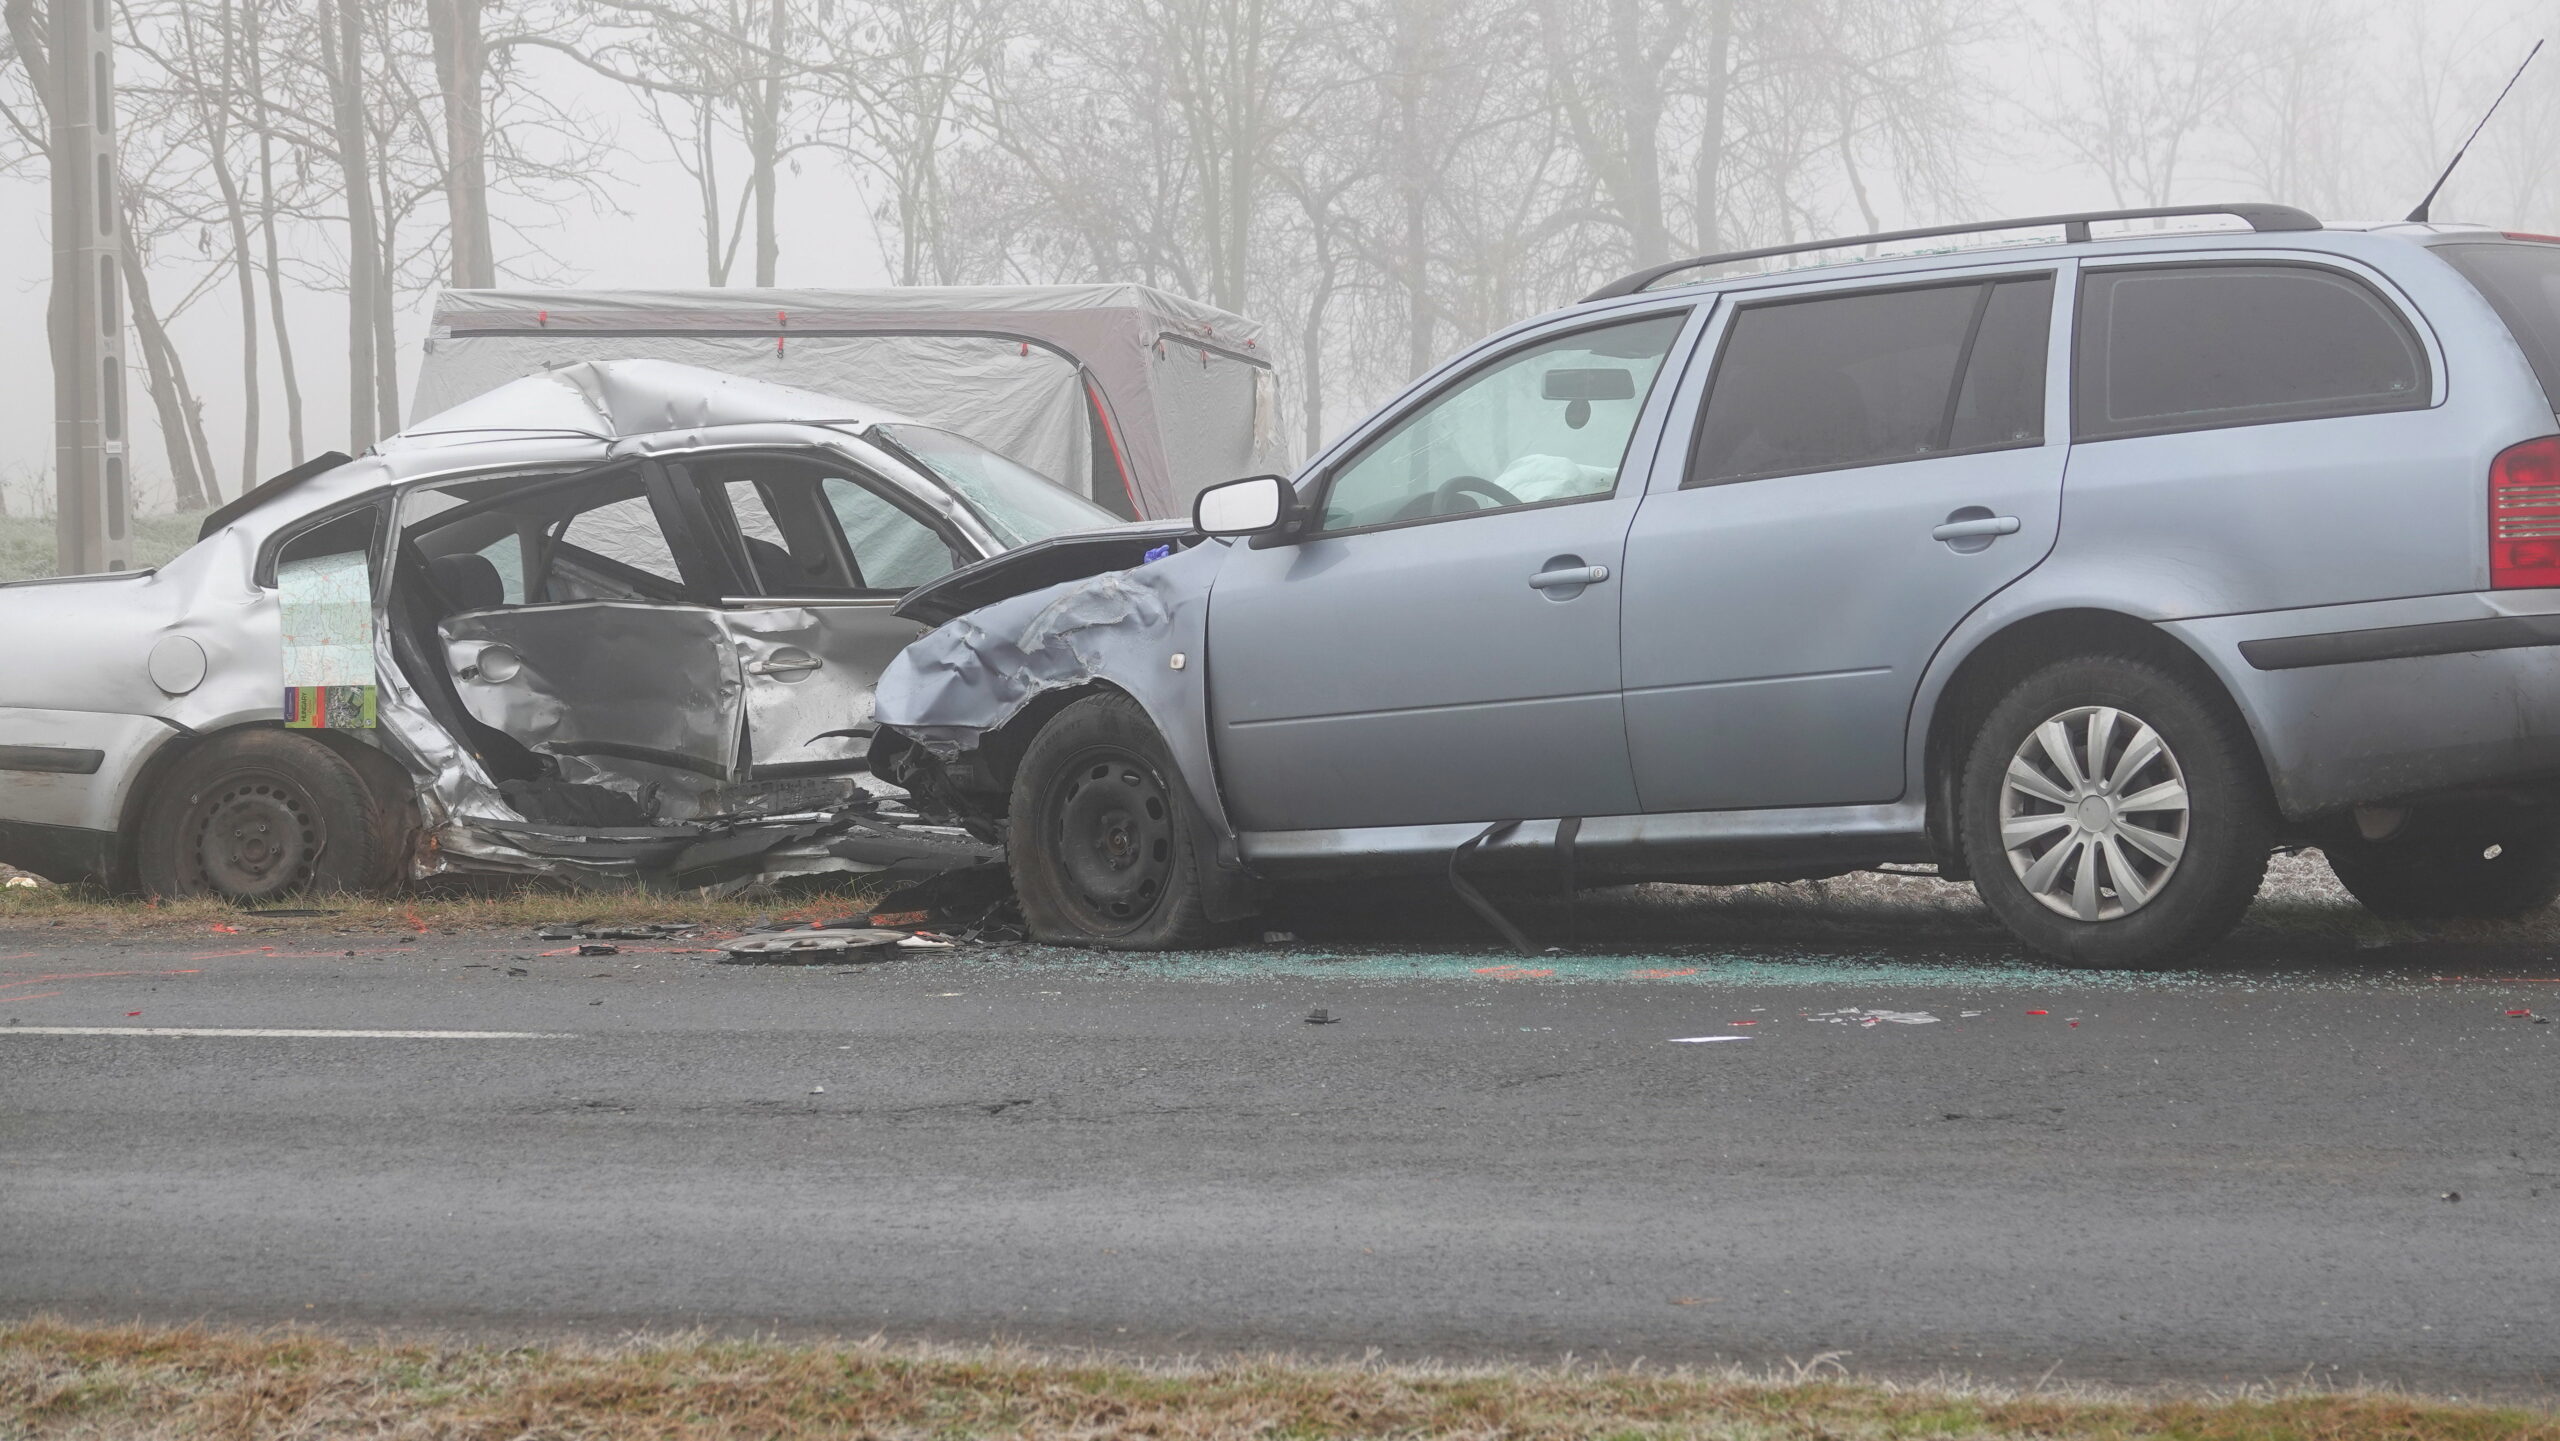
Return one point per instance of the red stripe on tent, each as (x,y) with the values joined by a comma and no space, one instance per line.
(1111,436)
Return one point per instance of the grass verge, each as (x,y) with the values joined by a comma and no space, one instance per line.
(84,909)
(58,1380)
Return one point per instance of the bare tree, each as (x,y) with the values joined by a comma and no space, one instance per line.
(2135,88)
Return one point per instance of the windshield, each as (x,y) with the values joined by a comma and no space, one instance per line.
(1018,503)
(2522,282)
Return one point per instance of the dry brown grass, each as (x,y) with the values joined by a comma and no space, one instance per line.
(79,907)
(58,1380)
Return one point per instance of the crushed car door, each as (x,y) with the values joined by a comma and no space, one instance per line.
(574,627)
(824,552)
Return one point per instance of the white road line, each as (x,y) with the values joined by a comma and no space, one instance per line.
(264,1032)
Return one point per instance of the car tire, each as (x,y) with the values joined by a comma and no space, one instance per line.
(257,815)
(2440,866)
(1106,846)
(2136,885)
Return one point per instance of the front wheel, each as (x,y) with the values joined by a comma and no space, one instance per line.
(2112,816)
(1105,845)
(2445,866)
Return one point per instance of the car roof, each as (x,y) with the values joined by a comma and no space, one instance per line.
(617,399)
(572,414)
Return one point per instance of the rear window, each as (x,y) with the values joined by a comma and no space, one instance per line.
(2173,348)
(2522,283)
(1874,377)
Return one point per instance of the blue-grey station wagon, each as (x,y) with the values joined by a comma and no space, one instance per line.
(2091,567)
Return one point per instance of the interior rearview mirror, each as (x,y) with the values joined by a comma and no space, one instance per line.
(1249,506)
(1599,382)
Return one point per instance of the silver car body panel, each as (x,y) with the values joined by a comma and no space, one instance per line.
(77,653)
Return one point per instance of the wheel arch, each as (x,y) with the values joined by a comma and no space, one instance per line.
(2002,657)
(394,795)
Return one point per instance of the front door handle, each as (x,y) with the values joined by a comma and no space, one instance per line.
(1986,525)
(1572,577)
(788,665)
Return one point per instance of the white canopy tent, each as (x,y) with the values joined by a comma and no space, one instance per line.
(1133,396)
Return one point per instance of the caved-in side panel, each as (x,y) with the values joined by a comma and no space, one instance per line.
(604,680)
(809,672)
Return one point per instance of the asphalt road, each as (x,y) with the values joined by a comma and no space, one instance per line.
(2229,1174)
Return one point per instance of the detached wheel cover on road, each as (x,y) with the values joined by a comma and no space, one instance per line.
(2094,813)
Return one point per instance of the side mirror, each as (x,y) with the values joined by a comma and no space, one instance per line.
(1251,506)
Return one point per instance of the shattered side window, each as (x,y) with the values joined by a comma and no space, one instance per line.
(506,556)
(1549,423)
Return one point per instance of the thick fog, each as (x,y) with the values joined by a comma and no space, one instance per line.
(1378,182)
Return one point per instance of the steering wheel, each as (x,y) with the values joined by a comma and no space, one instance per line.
(1443,500)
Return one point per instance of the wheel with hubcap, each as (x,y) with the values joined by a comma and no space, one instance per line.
(1104,843)
(261,814)
(2112,816)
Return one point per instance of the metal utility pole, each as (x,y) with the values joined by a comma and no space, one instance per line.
(91,500)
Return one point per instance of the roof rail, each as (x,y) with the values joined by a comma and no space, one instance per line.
(2075,228)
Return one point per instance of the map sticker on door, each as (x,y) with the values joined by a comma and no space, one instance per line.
(326,605)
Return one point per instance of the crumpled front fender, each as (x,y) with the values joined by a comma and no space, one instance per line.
(1141,631)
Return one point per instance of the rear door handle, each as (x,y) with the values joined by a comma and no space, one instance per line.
(1985,525)
(1569,578)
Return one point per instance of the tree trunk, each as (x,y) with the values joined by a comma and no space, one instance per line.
(267,234)
(167,388)
(462,58)
(1311,352)
(1414,250)
(386,352)
(1719,92)
(767,131)
(234,211)
(341,52)
(1640,111)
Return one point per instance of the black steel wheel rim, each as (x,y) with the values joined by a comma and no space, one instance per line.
(255,834)
(1111,832)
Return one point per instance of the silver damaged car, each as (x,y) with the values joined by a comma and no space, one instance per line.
(617,622)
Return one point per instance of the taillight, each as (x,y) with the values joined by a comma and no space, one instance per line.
(2524,515)
(2542,239)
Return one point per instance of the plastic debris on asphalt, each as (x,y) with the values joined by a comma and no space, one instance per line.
(590,930)
(1857,1016)
(976,906)
(1322,1017)
(813,945)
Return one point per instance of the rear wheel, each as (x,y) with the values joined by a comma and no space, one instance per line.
(1105,845)
(2112,816)
(261,814)
(2453,866)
